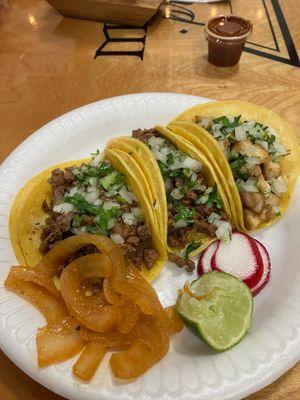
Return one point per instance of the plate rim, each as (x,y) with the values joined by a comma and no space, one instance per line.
(289,360)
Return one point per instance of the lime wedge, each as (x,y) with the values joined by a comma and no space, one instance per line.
(221,315)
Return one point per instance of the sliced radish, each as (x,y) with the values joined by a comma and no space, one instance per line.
(266,269)
(204,263)
(241,258)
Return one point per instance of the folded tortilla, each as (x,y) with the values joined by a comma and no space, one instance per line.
(185,125)
(27,216)
(141,154)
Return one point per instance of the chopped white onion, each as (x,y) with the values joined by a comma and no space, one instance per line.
(156,142)
(193,165)
(276,209)
(263,144)
(193,177)
(213,218)
(108,205)
(75,190)
(176,194)
(129,219)
(278,186)
(98,202)
(230,118)
(180,224)
(279,148)
(92,194)
(203,199)
(115,237)
(93,181)
(138,213)
(252,161)
(165,150)
(205,122)
(249,186)
(111,223)
(126,195)
(160,156)
(241,132)
(96,160)
(224,231)
(63,208)
(209,190)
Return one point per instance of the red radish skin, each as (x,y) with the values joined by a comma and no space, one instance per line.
(252,274)
(204,263)
(267,269)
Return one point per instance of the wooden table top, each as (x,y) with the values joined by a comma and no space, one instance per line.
(48,67)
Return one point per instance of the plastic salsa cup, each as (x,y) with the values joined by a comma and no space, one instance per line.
(226,36)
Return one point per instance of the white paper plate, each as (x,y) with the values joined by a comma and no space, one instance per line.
(190,370)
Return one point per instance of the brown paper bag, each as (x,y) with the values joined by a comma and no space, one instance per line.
(123,12)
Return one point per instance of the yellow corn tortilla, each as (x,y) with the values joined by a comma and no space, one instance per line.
(145,159)
(290,164)
(27,216)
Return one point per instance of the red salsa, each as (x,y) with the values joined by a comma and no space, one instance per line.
(226,37)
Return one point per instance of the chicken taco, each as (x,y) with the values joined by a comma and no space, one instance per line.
(190,202)
(255,149)
(101,195)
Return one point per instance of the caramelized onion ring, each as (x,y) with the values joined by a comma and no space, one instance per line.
(58,342)
(51,307)
(111,340)
(92,311)
(48,267)
(138,290)
(89,361)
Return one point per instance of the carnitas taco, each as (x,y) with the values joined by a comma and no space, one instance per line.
(190,202)
(255,149)
(101,195)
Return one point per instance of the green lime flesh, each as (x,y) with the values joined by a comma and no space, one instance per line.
(223,317)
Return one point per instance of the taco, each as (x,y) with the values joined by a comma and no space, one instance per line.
(190,201)
(256,150)
(101,195)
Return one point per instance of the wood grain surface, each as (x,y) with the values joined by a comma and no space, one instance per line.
(47,68)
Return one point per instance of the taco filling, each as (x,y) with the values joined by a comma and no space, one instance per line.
(193,205)
(95,198)
(253,151)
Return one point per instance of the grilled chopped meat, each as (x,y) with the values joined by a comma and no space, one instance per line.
(181,262)
(149,257)
(205,227)
(247,148)
(87,220)
(177,238)
(57,227)
(124,230)
(144,134)
(144,231)
(251,219)
(272,200)
(60,181)
(134,253)
(271,170)
(135,240)
(253,200)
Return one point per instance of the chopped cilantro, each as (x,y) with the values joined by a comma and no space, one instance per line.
(97,152)
(187,172)
(237,164)
(278,214)
(102,216)
(226,123)
(215,198)
(113,178)
(170,159)
(190,248)
(184,213)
